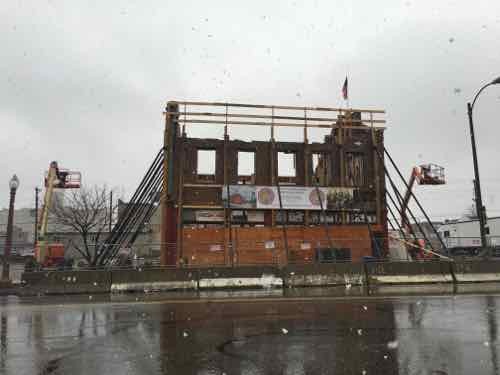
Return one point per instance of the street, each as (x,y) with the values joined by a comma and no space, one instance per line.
(140,334)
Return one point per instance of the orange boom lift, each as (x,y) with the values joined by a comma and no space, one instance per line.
(425,174)
(50,255)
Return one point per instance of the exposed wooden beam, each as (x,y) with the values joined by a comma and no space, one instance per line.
(287,107)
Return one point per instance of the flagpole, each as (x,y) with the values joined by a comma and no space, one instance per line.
(345,92)
(347,99)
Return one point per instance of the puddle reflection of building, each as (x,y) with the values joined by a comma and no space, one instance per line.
(278,337)
(369,346)
(3,341)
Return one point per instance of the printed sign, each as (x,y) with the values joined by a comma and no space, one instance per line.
(247,216)
(255,216)
(305,246)
(209,215)
(266,197)
(295,217)
(240,196)
(340,197)
(331,218)
(269,245)
(213,248)
(292,197)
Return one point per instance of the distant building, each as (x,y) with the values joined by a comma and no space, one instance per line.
(24,219)
(20,243)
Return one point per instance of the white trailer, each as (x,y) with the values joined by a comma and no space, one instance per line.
(463,236)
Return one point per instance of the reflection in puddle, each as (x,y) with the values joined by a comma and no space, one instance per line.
(311,331)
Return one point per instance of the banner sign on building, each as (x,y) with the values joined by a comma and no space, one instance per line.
(340,197)
(213,216)
(292,197)
(240,196)
(266,197)
(247,216)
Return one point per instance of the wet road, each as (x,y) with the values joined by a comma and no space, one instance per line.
(137,334)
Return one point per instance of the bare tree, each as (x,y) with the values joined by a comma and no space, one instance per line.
(87,213)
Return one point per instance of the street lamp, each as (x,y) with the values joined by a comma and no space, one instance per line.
(480,209)
(13,185)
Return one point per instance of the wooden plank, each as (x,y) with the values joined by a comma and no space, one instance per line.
(180,191)
(307,155)
(166,204)
(284,124)
(274,117)
(376,171)
(326,109)
(251,243)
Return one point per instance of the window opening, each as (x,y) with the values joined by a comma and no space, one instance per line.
(246,167)
(355,169)
(205,168)
(319,169)
(287,167)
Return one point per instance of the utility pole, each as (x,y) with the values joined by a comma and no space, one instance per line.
(37,190)
(480,209)
(110,209)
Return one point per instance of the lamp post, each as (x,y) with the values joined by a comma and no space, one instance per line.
(13,185)
(480,209)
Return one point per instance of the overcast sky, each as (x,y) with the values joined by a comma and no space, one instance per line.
(85,82)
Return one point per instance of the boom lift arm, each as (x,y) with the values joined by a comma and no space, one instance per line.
(44,215)
(56,179)
(425,174)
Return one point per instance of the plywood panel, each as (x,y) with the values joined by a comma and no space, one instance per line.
(206,246)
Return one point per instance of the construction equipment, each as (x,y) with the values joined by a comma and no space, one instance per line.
(50,255)
(425,174)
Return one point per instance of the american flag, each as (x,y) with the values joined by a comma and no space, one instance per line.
(344,90)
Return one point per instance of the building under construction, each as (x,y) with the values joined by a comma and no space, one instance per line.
(226,201)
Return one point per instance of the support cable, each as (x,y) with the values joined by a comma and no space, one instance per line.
(416,200)
(137,207)
(137,222)
(142,215)
(396,221)
(133,210)
(374,240)
(137,197)
(323,212)
(400,198)
(412,233)
(396,191)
